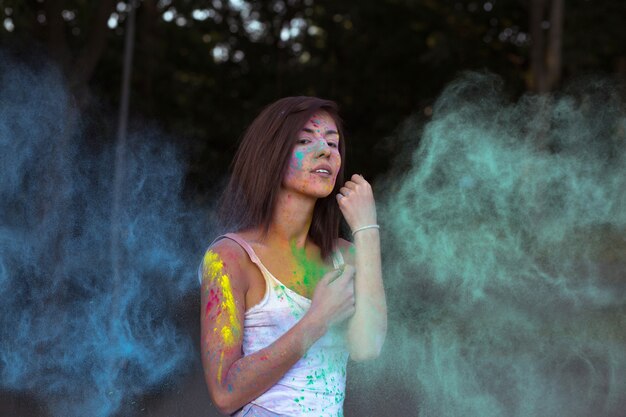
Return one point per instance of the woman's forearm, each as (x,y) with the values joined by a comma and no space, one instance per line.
(368,326)
(252,375)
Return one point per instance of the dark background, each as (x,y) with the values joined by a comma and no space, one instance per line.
(202,70)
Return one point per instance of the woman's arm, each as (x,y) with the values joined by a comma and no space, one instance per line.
(234,380)
(368,326)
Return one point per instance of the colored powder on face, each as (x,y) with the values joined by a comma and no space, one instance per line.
(318,146)
(299,158)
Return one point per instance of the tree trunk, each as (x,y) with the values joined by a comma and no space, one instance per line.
(537,79)
(555,45)
(546,50)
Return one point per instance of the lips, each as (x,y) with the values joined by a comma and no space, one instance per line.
(322,166)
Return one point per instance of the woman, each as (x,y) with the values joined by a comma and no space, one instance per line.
(281,310)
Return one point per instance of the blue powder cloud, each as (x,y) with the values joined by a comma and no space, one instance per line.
(80,340)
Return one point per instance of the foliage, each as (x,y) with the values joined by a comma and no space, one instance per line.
(203,69)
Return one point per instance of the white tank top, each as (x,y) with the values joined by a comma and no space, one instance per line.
(315,385)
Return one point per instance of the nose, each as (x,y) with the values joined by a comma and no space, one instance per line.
(323,149)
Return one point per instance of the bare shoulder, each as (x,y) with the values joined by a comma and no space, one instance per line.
(347,250)
(231,258)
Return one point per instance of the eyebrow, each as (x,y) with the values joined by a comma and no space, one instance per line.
(328,132)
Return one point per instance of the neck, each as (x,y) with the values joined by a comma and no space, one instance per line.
(292,219)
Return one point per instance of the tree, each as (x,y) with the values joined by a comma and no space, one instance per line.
(546,49)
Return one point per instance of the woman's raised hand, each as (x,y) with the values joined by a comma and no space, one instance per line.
(356,202)
(333,299)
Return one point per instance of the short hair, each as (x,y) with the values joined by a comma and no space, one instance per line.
(261,162)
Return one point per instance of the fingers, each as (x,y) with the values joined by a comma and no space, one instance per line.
(333,275)
(350,185)
(335,299)
(345,191)
(346,314)
(355,183)
(358,179)
(347,274)
(349,269)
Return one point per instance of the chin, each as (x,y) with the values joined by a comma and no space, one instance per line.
(324,193)
(317,192)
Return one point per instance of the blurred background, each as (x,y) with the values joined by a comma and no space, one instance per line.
(203,69)
(111,91)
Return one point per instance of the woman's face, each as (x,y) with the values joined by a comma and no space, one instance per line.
(315,159)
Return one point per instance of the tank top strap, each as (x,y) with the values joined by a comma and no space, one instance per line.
(245,245)
(337,258)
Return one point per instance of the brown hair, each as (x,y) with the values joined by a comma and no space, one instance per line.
(260,164)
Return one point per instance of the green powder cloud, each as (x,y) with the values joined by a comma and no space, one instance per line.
(505,253)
